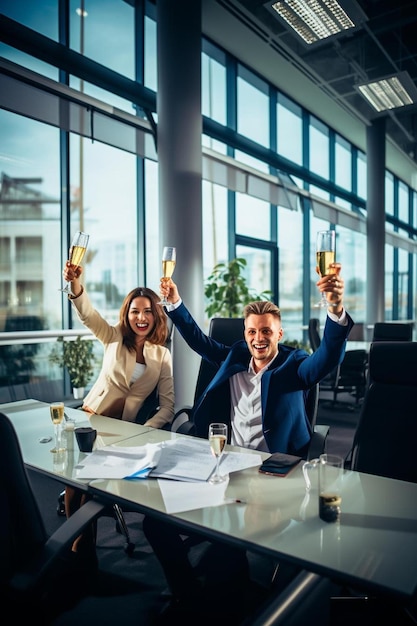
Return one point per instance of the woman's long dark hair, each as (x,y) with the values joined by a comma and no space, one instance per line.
(159,334)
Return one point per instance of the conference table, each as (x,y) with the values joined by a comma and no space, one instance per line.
(373,548)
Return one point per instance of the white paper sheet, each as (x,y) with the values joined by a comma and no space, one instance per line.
(119,462)
(185,496)
(185,459)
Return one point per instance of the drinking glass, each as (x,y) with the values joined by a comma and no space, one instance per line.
(169,258)
(76,254)
(217,439)
(57,415)
(325,255)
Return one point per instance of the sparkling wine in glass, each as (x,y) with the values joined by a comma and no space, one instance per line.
(169,258)
(217,439)
(325,255)
(77,251)
(57,410)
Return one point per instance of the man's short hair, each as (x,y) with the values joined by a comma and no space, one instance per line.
(261,307)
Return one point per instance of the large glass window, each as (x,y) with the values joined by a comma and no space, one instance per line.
(319,148)
(252,107)
(252,217)
(343,157)
(289,130)
(103,193)
(290,272)
(389,198)
(213,87)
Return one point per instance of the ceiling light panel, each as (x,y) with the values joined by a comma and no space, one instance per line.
(390,92)
(316,20)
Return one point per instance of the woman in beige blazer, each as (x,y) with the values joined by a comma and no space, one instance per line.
(135,359)
(135,362)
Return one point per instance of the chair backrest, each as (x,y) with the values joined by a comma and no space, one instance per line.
(22,531)
(314,333)
(386,435)
(226,330)
(392,331)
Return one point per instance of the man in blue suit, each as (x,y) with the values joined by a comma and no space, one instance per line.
(259,391)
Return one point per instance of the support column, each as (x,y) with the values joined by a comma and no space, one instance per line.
(375,279)
(180,166)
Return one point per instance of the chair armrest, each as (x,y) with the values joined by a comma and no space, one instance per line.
(318,441)
(48,562)
(181,416)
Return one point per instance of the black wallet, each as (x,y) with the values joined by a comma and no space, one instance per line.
(279,464)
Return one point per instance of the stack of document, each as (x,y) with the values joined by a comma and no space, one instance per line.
(187,459)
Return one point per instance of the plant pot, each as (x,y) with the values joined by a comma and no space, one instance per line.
(78,392)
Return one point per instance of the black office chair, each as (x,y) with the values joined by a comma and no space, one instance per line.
(350,376)
(385,439)
(228,330)
(33,566)
(392,331)
(314,333)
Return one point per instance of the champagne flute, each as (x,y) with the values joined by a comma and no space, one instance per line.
(325,254)
(169,258)
(76,254)
(57,410)
(217,439)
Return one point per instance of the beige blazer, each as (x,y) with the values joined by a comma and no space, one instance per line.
(112,394)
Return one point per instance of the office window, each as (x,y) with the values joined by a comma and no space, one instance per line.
(343,169)
(41,16)
(215,227)
(403,204)
(389,277)
(351,253)
(252,107)
(362,175)
(403,282)
(150,64)
(289,130)
(213,84)
(153,247)
(95,34)
(98,33)
(103,199)
(258,268)
(252,217)
(30,219)
(389,198)
(319,148)
(290,272)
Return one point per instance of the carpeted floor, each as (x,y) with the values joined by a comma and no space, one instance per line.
(132,589)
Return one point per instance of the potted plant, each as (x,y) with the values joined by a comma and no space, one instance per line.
(226,290)
(78,357)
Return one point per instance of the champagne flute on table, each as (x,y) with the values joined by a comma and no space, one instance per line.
(217,439)
(76,254)
(57,410)
(169,258)
(325,254)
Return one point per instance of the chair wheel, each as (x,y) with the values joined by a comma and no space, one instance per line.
(129,548)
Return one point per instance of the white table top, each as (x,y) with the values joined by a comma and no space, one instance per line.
(373,547)
(32,421)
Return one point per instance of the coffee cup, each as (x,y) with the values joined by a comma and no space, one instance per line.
(86,437)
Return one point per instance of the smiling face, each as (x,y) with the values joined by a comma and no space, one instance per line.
(140,316)
(262,334)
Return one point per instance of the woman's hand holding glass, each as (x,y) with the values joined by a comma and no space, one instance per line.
(77,251)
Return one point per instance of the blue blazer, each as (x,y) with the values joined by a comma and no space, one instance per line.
(283,386)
